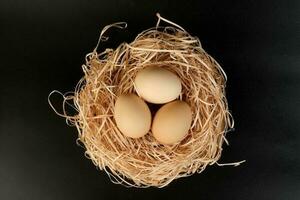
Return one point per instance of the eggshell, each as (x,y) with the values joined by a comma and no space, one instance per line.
(157,85)
(172,122)
(132,116)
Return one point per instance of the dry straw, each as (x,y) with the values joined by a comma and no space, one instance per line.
(144,162)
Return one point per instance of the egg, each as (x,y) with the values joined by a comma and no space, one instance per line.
(172,122)
(157,85)
(132,115)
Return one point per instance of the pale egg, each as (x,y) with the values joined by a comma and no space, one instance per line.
(132,115)
(172,122)
(157,85)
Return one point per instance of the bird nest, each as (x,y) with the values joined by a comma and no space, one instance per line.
(144,162)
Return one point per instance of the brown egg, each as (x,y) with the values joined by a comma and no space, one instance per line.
(132,116)
(157,85)
(172,122)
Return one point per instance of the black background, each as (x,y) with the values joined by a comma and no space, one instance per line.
(43,45)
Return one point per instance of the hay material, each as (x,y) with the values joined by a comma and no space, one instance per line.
(144,162)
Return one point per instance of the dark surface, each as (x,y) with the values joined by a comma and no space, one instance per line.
(43,44)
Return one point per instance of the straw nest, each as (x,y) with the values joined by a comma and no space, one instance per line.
(144,162)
